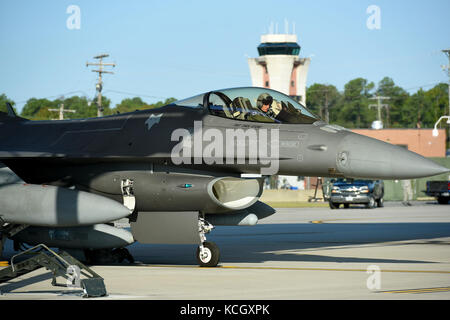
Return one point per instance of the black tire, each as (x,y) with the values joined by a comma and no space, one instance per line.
(443,200)
(121,254)
(346,205)
(371,204)
(334,205)
(213,255)
(380,203)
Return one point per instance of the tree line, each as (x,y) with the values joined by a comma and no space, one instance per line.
(348,108)
(38,109)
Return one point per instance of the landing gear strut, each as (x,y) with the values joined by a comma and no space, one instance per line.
(208,253)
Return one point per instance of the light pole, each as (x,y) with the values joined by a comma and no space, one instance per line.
(435,130)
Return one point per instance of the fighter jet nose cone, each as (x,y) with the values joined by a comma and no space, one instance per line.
(439,169)
(364,157)
(407,164)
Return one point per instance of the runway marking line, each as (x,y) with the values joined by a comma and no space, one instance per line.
(422,290)
(343,219)
(296,269)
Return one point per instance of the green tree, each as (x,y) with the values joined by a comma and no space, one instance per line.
(45,114)
(423,108)
(318,96)
(136,103)
(354,112)
(83,108)
(160,104)
(392,117)
(37,109)
(414,109)
(129,105)
(34,106)
(438,99)
(3,100)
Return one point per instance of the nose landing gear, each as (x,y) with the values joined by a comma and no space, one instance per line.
(208,253)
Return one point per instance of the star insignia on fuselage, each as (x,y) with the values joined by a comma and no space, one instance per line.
(152,120)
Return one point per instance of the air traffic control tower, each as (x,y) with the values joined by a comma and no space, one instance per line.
(279,66)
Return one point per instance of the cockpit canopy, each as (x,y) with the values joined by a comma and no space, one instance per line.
(251,104)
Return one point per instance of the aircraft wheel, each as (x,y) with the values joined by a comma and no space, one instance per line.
(209,256)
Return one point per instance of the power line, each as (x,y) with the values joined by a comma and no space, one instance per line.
(56,96)
(423,86)
(136,94)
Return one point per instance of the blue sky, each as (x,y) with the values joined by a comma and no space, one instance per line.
(181,48)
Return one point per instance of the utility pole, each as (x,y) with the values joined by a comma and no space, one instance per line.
(61,110)
(447,53)
(379,105)
(324,110)
(327,113)
(99,85)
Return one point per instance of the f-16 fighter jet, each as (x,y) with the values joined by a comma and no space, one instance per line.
(174,172)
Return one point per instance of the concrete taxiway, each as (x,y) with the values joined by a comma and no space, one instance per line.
(395,252)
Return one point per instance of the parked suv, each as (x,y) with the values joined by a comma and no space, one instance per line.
(349,191)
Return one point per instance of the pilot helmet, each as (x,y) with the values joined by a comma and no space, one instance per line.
(264,99)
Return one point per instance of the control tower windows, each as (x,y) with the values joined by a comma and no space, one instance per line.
(286,48)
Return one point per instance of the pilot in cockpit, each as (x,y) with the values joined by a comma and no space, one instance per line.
(276,110)
(269,106)
(264,104)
